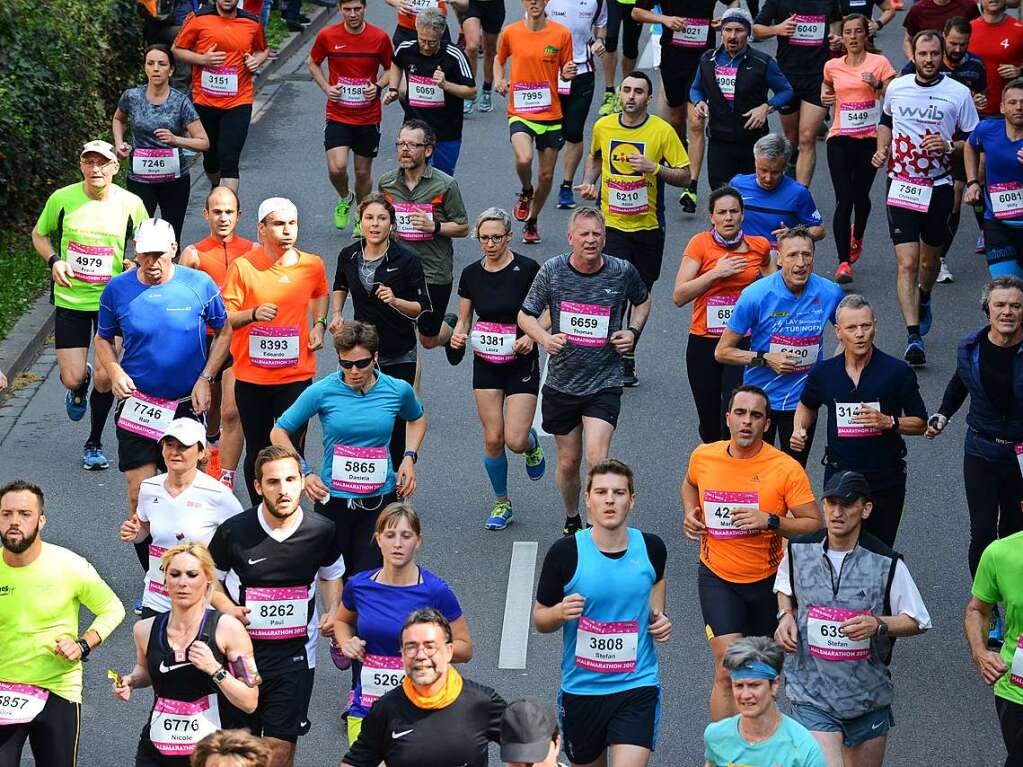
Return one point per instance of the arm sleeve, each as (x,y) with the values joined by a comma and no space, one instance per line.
(657,553)
(601,20)
(188,113)
(813,394)
(968,117)
(976,141)
(495,712)
(369,748)
(460,72)
(779,85)
(220,550)
(214,311)
(908,69)
(107,325)
(234,288)
(447,603)
(538,297)
(411,407)
(985,582)
(414,285)
(463,285)
(259,39)
(797,489)
(906,599)
(47,220)
(558,568)
(334,571)
(386,52)
(566,49)
(348,596)
(768,13)
(124,103)
(301,410)
(783,578)
(636,290)
(100,599)
(954,396)
(910,23)
(982,80)
(675,154)
(454,208)
(744,314)
(319,50)
(696,93)
(188,35)
(909,395)
(503,51)
(809,213)
(320,280)
(340,278)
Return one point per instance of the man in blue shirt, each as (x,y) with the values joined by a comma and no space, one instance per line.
(785,314)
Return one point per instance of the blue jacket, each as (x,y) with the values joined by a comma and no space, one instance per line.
(984,418)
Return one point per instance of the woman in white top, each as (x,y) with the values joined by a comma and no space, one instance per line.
(183,505)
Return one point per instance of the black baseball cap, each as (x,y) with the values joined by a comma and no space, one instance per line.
(527,731)
(848,486)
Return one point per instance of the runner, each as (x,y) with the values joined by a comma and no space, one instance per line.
(357,408)
(94,220)
(273,554)
(634,154)
(853,85)
(443,719)
(358,59)
(840,635)
(889,9)
(408,11)
(933,15)
(505,365)
(187,655)
(806,30)
(375,604)
(740,498)
(759,733)
(542,56)
(44,588)
(735,111)
(239,747)
(586,295)
(620,24)
(183,504)
(530,734)
(716,267)
(920,194)
(224,45)
(279,315)
(213,255)
(163,122)
(785,315)
(605,588)
(997,40)
(481,24)
(438,81)
(429,215)
(872,400)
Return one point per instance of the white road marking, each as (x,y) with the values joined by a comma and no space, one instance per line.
(518,605)
(537,417)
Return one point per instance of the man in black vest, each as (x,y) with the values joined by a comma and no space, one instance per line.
(730,92)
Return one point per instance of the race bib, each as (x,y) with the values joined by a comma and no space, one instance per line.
(418,6)
(1019,455)
(532,97)
(358,469)
(564,87)
(91,263)
(846,427)
(584,324)
(154,575)
(155,164)
(725,77)
(607,648)
(694,35)
(277,613)
(273,346)
(176,726)
(1006,199)
(380,674)
(492,341)
(809,30)
(20,703)
(804,347)
(825,637)
(220,82)
(858,117)
(1015,673)
(718,507)
(911,193)
(147,416)
(719,311)
(424,93)
(403,220)
(353,91)
(627,197)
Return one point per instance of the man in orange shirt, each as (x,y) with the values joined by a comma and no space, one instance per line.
(274,342)
(541,53)
(225,46)
(741,497)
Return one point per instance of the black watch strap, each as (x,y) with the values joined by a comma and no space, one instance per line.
(85,649)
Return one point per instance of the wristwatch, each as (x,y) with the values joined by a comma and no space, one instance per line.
(85,649)
(54,258)
(219,675)
(759,361)
(773,520)
(208,378)
(413,455)
(882,629)
(782,613)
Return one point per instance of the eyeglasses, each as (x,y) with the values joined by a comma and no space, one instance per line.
(102,164)
(492,237)
(362,364)
(409,144)
(411,649)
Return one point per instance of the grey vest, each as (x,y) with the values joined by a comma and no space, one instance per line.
(844,688)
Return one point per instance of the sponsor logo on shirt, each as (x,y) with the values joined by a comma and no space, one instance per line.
(621,151)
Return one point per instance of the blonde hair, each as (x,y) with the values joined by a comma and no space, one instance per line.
(393,513)
(193,549)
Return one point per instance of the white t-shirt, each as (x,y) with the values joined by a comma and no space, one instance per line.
(581,17)
(905,596)
(193,515)
(945,107)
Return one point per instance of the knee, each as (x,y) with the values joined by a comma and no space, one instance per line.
(518,444)
(70,380)
(363,175)
(545,175)
(493,445)
(807,140)
(569,463)
(229,417)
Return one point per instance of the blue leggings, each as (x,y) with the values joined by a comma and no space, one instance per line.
(1003,247)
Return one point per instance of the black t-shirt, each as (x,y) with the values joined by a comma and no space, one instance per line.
(498,296)
(802,59)
(997,368)
(445,120)
(399,734)
(687,9)
(562,559)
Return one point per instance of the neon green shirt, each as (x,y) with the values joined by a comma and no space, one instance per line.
(1000,579)
(93,236)
(39,603)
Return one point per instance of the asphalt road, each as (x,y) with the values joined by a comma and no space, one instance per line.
(944,713)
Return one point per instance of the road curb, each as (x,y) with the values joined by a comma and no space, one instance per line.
(21,347)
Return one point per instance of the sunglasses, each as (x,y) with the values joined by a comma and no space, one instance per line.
(362,364)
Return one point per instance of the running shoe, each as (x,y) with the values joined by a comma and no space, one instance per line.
(566,200)
(530,234)
(486,102)
(454,355)
(536,464)
(996,632)
(572,526)
(344,205)
(607,106)
(629,378)
(688,201)
(341,660)
(500,516)
(915,354)
(137,609)
(926,316)
(521,209)
(77,401)
(945,277)
(981,246)
(843,274)
(855,247)
(93,458)
(356,230)
(467,106)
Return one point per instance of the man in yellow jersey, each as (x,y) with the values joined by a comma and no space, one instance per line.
(42,588)
(634,154)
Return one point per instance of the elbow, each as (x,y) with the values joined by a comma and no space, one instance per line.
(463,651)
(250,701)
(678,298)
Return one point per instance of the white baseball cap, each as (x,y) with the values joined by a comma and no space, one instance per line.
(273,205)
(154,235)
(100,147)
(187,431)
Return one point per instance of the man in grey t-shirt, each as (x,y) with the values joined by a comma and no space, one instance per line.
(587,294)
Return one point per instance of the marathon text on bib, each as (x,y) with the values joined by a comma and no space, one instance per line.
(353,91)
(154,576)
(91,263)
(277,613)
(418,6)
(1006,199)
(809,30)
(177,726)
(424,93)
(380,674)
(804,347)
(219,82)
(147,416)
(492,341)
(846,427)
(584,324)
(725,77)
(858,117)
(358,469)
(719,311)
(627,197)
(825,637)
(273,346)
(607,648)
(911,193)
(20,703)
(718,507)
(694,35)
(403,220)
(1015,673)
(532,97)
(564,87)
(155,164)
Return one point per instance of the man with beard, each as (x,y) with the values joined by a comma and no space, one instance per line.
(42,590)
(273,554)
(435,718)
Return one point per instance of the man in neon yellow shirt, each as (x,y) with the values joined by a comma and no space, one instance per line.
(92,219)
(42,589)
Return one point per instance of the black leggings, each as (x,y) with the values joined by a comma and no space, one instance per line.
(227,130)
(726,159)
(355,522)
(259,406)
(620,14)
(170,196)
(53,735)
(405,371)
(994,490)
(712,385)
(781,425)
(1010,717)
(852,175)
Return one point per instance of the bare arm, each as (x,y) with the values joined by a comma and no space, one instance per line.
(907,46)
(687,285)
(462,640)
(988,663)
(800,520)
(727,352)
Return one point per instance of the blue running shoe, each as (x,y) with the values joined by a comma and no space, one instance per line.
(93,458)
(926,316)
(500,516)
(915,353)
(77,401)
(137,609)
(536,464)
(566,200)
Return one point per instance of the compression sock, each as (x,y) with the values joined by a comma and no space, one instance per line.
(99,408)
(609,89)
(497,470)
(487,87)
(693,184)
(913,331)
(534,440)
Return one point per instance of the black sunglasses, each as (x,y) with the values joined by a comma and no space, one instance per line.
(362,364)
